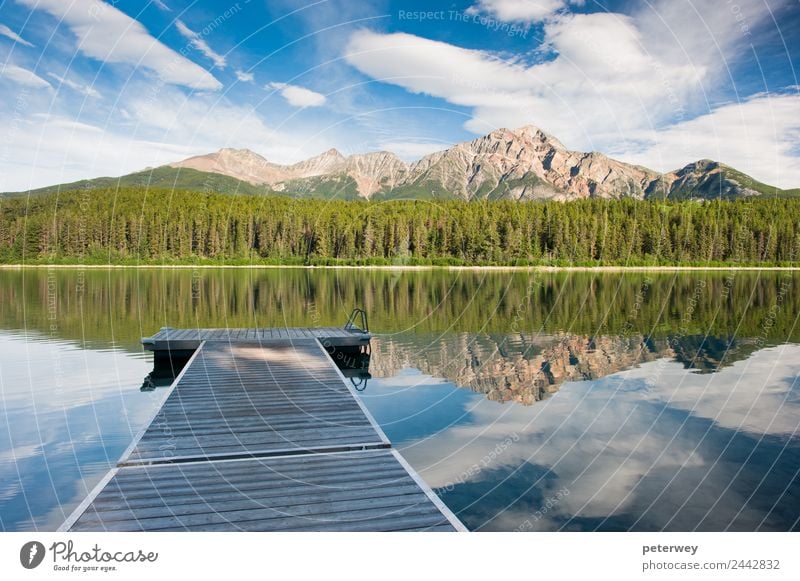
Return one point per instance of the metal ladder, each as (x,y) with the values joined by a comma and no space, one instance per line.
(350,325)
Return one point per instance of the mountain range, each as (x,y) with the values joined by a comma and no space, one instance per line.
(521,164)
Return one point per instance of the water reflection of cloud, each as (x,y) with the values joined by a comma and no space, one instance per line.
(636,445)
(417,406)
(58,374)
(758,394)
(69,413)
(9,456)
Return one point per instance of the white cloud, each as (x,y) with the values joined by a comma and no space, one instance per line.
(20,76)
(162,6)
(201,122)
(611,82)
(87,90)
(518,10)
(244,76)
(197,42)
(52,149)
(109,35)
(436,68)
(600,81)
(7,32)
(758,136)
(703,32)
(298,96)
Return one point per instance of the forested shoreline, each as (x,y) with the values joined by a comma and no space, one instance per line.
(130,226)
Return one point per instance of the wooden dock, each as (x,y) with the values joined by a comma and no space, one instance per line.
(261,433)
(176,340)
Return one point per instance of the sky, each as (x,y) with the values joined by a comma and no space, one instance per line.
(92,88)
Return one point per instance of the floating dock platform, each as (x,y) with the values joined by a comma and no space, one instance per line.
(260,431)
(188,340)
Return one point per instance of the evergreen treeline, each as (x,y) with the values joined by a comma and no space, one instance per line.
(137,225)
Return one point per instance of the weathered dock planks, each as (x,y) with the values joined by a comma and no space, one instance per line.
(261,435)
(344,491)
(169,339)
(256,399)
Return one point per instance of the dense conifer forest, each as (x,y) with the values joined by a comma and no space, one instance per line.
(133,225)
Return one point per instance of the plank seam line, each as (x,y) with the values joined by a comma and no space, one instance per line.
(251,455)
(293,454)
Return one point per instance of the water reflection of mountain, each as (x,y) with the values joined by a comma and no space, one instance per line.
(526,369)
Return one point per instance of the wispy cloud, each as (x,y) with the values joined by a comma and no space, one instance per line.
(208,123)
(517,10)
(111,36)
(7,32)
(87,90)
(20,76)
(298,96)
(244,76)
(197,42)
(162,6)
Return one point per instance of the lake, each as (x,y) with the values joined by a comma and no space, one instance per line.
(528,401)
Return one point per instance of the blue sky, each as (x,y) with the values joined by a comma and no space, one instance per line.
(105,88)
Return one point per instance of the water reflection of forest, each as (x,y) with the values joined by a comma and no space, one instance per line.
(104,308)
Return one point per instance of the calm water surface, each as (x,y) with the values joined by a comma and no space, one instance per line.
(528,401)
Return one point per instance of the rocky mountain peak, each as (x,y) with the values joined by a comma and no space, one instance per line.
(709,179)
(241,164)
(244,152)
(525,163)
(232,155)
(533,133)
(329,161)
(332,152)
(372,172)
(701,165)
